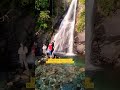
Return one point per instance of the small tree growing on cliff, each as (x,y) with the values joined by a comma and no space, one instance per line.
(43,18)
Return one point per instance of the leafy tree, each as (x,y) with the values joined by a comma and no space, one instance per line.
(81,21)
(41,4)
(82,1)
(43,18)
(81,16)
(44,15)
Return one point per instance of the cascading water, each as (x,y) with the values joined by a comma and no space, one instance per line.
(64,38)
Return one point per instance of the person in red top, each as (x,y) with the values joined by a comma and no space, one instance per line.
(50,49)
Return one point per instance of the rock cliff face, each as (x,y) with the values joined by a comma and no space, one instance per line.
(59,9)
(105,44)
(79,36)
(19,28)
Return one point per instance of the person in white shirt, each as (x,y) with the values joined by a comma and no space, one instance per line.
(22,51)
(44,49)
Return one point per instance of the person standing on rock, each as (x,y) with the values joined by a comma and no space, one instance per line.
(53,48)
(44,48)
(22,51)
(49,50)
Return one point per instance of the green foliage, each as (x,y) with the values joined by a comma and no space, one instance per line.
(41,4)
(43,19)
(69,1)
(52,77)
(81,21)
(44,15)
(82,1)
(106,7)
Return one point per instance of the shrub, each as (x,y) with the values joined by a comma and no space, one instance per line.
(106,7)
(81,21)
(82,1)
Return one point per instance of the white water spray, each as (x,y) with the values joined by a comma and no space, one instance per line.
(64,38)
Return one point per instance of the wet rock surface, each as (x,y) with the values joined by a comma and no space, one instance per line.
(79,43)
(19,81)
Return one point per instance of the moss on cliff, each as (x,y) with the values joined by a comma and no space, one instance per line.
(80,20)
(107,7)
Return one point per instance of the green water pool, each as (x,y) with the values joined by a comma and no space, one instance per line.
(104,80)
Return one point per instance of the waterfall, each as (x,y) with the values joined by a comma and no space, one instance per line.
(64,38)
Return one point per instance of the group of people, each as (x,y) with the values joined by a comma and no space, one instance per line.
(48,51)
(23,50)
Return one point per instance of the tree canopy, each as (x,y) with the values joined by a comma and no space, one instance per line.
(43,18)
